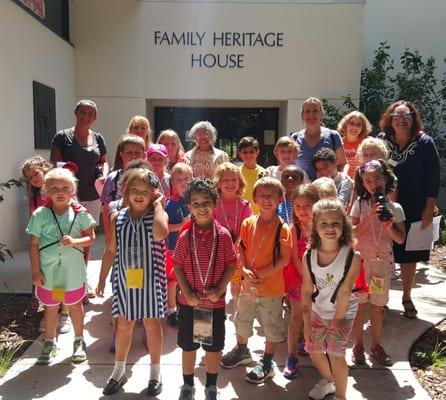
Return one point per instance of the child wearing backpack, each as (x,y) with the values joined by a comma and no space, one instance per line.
(303,199)
(265,249)
(59,231)
(377,221)
(330,269)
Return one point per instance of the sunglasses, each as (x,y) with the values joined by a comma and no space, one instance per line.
(399,116)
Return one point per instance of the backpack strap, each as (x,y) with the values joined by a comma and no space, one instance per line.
(348,264)
(276,249)
(313,278)
(333,140)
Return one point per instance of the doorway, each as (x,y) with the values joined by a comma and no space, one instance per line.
(231,124)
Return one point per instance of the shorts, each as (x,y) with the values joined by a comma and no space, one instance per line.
(378,276)
(324,340)
(270,310)
(185,330)
(293,282)
(72,297)
(94,208)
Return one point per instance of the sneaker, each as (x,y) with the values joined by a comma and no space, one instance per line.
(64,325)
(380,356)
(236,357)
(79,354)
(301,348)
(260,373)
(358,356)
(172,320)
(49,351)
(321,389)
(290,370)
(187,392)
(211,393)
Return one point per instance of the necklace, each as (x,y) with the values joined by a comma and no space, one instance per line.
(211,258)
(375,239)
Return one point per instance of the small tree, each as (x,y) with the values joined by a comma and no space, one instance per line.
(4,251)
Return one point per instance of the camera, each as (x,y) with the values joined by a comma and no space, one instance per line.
(386,213)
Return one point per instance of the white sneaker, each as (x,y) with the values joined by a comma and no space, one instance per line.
(322,389)
(64,325)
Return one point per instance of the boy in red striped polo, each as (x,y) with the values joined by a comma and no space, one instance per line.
(204,262)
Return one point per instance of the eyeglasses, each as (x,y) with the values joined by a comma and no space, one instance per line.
(398,116)
(248,152)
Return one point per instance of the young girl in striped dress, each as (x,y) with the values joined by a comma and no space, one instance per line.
(139,284)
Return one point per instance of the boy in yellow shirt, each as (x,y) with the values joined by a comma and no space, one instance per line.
(248,151)
(265,248)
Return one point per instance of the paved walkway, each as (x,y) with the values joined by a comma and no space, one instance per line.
(63,380)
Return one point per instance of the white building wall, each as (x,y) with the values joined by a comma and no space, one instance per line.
(28,51)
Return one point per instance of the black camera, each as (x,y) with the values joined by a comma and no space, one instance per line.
(386,213)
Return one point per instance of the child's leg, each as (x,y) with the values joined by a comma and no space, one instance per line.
(322,365)
(376,317)
(124,332)
(188,360)
(154,338)
(235,293)
(340,375)
(294,326)
(358,325)
(172,296)
(50,316)
(77,317)
(212,362)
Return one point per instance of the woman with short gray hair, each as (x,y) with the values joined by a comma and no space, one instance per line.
(204,158)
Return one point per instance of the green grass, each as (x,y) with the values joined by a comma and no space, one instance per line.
(435,356)
(7,355)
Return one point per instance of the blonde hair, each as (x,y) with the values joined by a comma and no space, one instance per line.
(181,168)
(140,120)
(374,142)
(143,175)
(366,125)
(335,206)
(325,187)
(269,182)
(286,141)
(62,174)
(36,162)
(312,100)
(228,167)
(170,133)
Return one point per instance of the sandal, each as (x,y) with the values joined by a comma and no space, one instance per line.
(409,309)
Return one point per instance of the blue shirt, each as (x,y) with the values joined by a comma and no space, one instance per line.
(177,211)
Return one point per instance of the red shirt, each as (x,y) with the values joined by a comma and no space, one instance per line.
(184,257)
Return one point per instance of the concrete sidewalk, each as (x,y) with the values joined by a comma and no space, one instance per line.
(64,380)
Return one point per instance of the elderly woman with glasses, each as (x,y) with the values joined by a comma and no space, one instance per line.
(416,164)
(204,158)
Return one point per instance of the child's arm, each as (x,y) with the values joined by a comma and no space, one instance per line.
(307,302)
(160,220)
(191,297)
(34,257)
(344,292)
(216,293)
(88,238)
(177,227)
(396,230)
(282,261)
(247,271)
(294,255)
(107,260)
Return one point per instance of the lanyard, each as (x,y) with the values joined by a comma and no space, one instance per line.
(211,258)
(61,233)
(289,218)
(226,219)
(136,224)
(254,256)
(375,239)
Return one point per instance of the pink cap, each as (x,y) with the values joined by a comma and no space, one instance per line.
(156,149)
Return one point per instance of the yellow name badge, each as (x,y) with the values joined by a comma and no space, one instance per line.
(376,285)
(134,278)
(58,294)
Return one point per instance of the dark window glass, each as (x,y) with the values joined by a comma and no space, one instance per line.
(44,100)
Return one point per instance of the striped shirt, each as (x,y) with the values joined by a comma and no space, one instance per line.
(184,257)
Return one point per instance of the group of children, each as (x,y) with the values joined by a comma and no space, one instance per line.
(271,235)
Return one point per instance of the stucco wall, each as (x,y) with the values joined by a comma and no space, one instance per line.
(29,51)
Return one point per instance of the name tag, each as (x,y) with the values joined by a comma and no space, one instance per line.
(376,285)
(58,294)
(134,278)
(202,328)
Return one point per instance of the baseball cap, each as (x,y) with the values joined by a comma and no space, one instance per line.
(156,148)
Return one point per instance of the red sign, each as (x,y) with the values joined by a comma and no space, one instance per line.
(36,6)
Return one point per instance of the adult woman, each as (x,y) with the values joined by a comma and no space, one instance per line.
(204,158)
(87,150)
(416,164)
(140,126)
(315,136)
(175,150)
